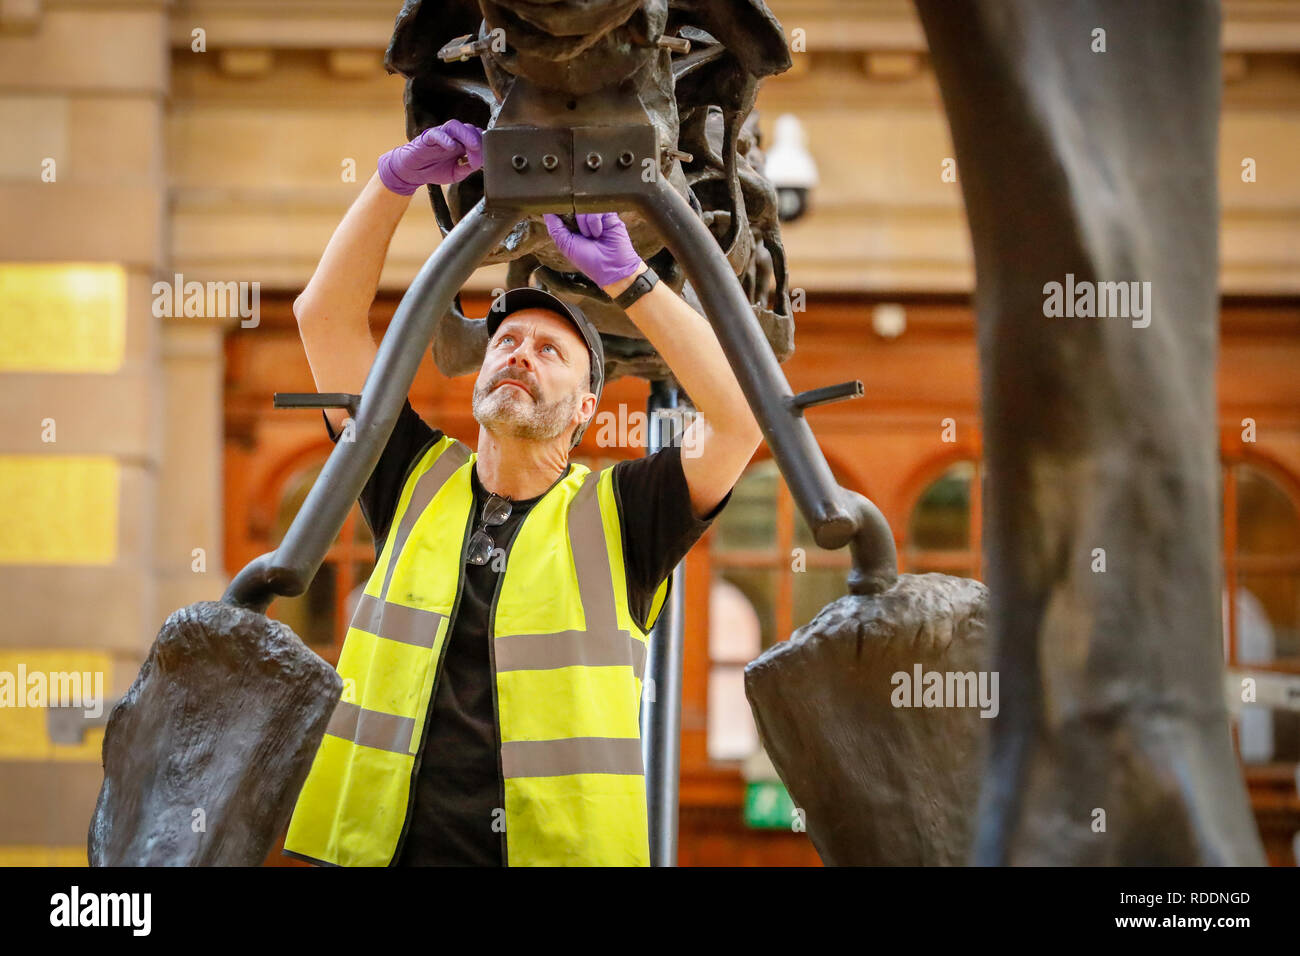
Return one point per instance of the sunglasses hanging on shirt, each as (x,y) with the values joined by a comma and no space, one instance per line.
(495,512)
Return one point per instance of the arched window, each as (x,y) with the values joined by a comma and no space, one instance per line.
(1261,537)
(943,530)
(1261,559)
(769,578)
(321,615)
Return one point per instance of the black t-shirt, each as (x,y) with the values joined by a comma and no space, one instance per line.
(458,787)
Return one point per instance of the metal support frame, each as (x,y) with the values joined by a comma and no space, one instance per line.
(661,700)
(536,162)
(289,569)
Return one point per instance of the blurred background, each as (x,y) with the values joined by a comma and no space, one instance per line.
(142,463)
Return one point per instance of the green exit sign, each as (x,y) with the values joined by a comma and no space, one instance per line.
(768,806)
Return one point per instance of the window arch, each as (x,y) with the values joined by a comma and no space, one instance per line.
(943,527)
(1261,545)
(1261,599)
(1260,510)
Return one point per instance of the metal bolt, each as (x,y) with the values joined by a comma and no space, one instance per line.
(519,162)
(625,158)
(593,161)
(550,161)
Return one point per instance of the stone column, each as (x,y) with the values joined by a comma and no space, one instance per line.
(83,190)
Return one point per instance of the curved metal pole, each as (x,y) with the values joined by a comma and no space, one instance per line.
(836,515)
(290,568)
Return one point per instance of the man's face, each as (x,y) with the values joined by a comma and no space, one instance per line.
(535,375)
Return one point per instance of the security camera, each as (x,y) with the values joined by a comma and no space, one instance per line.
(790,167)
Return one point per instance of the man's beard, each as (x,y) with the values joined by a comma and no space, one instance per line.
(508,412)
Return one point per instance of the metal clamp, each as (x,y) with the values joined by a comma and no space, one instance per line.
(318,400)
(536,169)
(825,395)
(463,47)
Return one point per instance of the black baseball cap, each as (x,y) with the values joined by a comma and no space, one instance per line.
(528,297)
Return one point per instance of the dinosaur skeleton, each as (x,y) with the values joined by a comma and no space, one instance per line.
(1094,431)
(698,102)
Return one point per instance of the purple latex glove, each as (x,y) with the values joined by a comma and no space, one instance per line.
(601,247)
(435,156)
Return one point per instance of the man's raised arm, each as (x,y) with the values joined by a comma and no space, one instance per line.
(725,435)
(333,311)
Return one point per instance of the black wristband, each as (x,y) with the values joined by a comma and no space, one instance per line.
(639,287)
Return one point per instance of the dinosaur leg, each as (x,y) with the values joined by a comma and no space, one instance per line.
(1086,138)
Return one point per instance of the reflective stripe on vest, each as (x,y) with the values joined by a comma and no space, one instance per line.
(568,659)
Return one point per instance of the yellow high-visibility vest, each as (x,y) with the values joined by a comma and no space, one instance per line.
(567,660)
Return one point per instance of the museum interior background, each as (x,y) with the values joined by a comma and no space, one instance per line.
(171,469)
